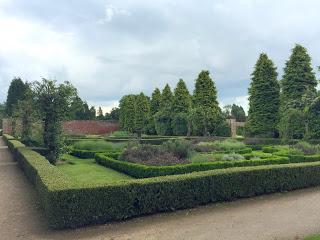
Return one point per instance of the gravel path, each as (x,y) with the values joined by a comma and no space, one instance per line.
(289,215)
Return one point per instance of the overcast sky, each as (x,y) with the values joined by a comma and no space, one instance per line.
(111,48)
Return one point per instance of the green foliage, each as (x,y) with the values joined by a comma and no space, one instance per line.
(53,102)
(182,99)
(16,92)
(98,145)
(127,113)
(307,148)
(225,145)
(206,115)
(100,114)
(292,124)
(181,108)
(238,113)
(298,91)
(313,119)
(180,124)
(113,115)
(141,114)
(264,99)
(67,204)
(155,101)
(180,148)
(120,134)
(163,118)
(2,113)
(163,122)
(232,157)
(166,98)
(298,76)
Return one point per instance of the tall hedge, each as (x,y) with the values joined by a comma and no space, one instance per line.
(264,99)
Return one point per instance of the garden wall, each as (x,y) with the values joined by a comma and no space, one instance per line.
(75,127)
(92,127)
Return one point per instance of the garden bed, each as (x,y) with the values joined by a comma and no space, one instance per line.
(68,203)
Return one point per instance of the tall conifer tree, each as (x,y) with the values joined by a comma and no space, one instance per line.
(181,108)
(264,99)
(155,101)
(206,112)
(298,76)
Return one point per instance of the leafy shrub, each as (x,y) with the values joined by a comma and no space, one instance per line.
(97,145)
(120,134)
(232,157)
(180,124)
(150,155)
(179,148)
(307,148)
(225,145)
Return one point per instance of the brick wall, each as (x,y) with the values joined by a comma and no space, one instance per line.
(75,127)
(90,127)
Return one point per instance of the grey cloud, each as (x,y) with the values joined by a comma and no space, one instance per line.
(145,44)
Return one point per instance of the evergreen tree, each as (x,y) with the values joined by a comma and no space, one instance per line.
(113,115)
(16,92)
(205,93)
(238,113)
(141,114)
(298,76)
(182,99)
(298,81)
(163,117)
(92,113)
(155,101)
(206,115)
(25,110)
(100,114)
(264,99)
(127,113)
(181,108)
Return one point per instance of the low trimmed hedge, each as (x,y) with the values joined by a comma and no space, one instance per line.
(68,204)
(146,171)
(90,154)
(73,207)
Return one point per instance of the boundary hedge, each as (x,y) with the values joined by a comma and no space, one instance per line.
(68,204)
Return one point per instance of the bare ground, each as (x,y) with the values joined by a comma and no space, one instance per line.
(291,215)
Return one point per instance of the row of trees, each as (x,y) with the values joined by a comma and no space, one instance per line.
(177,113)
(47,103)
(78,109)
(289,107)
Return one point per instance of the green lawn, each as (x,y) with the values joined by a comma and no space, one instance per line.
(315,237)
(87,171)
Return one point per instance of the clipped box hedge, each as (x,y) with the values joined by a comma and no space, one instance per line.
(69,204)
(78,206)
(146,171)
(90,154)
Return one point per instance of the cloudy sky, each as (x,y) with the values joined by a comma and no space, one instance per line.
(111,48)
